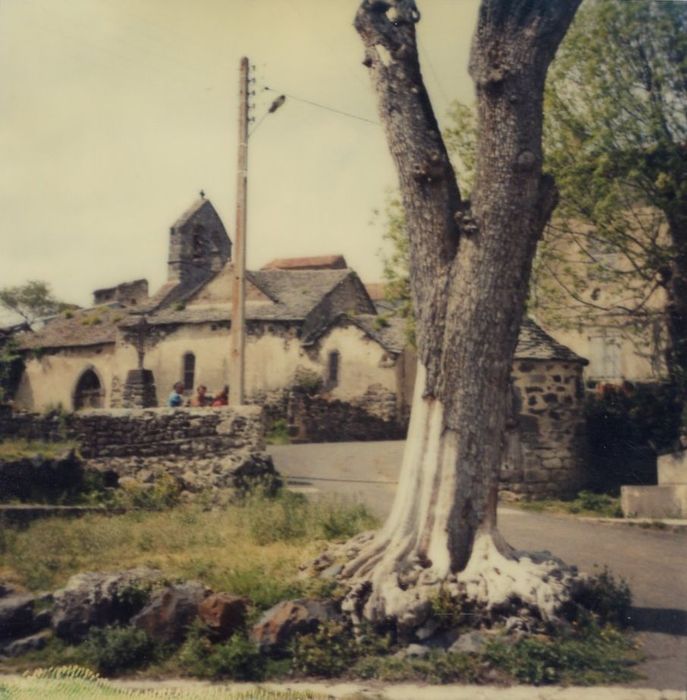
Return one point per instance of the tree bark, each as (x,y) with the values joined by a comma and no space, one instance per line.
(469,270)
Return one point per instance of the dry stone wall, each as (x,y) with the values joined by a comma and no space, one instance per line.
(546,450)
(202,447)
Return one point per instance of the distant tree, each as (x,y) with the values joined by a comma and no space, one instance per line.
(31,300)
(615,254)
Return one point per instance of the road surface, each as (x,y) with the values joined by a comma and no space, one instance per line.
(654,562)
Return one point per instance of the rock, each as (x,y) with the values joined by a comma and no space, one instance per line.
(257,471)
(332,571)
(24,645)
(16,615)
(6,589)
(417,651)
(96,599)
(470,643)
(223,613)
(170,611)
(281,623)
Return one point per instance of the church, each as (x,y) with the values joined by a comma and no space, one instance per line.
(321,354)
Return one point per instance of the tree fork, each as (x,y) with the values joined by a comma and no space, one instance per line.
(469,270)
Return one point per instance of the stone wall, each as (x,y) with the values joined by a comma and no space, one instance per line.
(201,446)
(546,450)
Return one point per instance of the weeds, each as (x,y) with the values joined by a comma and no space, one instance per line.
(111,650)
(586,503)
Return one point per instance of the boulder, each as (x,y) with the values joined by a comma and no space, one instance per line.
(170,611)
(17,615)
(285,620)
(24,645)
(469,643)
(223,613)
(96,599)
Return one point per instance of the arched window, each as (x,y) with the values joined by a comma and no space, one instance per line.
(333,368)
(189,369)
(89,392)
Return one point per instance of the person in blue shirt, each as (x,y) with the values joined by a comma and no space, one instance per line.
(176,398)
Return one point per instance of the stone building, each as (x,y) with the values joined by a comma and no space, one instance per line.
(318,353)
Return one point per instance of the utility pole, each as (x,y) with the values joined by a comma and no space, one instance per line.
(238,290)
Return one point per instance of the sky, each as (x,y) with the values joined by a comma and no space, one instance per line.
(114,114)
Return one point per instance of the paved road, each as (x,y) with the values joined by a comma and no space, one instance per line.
(654,562)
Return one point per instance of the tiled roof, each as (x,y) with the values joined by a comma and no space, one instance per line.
(83,327)
(321,262)
(534,343)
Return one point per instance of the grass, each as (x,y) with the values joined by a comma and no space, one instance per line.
(251,549)
(73,682)
(20,449)
(585,503)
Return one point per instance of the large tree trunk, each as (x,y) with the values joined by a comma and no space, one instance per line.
(470,266)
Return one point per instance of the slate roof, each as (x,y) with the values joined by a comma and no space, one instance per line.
(79,328)
(191,211)
(319,262)
(534,343)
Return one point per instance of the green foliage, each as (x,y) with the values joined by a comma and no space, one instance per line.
(238,658)
(278,433)
(31,300)
(263,587)
(625,431)
(111,650)
(11,368)
(608,599)
(333,649)
(615,134)
(599,655)
(436,667)
(69,682)
(290,516)
(585,503)
(397,265)
(164,494)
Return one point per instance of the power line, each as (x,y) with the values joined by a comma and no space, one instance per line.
(321,106)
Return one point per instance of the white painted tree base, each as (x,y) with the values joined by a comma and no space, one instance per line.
(395,574)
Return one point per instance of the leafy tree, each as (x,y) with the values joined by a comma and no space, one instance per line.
(31,300)
(470,264)
(616,140)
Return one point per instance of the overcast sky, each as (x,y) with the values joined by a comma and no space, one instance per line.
(115,113)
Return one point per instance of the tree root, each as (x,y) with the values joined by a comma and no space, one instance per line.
(390,587)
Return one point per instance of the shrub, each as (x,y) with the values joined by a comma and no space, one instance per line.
(625,430)
(608,599)
(164,494)
(333,649)
(278,433)
(238,658)
(112,650)
(598,656)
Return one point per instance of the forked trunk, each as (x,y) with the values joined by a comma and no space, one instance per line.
(469,270)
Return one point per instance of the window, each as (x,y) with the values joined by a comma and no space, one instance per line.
(333,368)
(604,356)
(189,371)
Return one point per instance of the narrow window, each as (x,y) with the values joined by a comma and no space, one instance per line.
(189,371)
(333,368)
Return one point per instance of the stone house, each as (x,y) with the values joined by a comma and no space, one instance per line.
(318,353)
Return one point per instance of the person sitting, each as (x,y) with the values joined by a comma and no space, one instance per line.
(176,398)
(201,398)
(222,399)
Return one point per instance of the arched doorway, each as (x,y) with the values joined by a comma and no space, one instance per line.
(89,391)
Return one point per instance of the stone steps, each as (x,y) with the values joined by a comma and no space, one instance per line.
(666,500)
